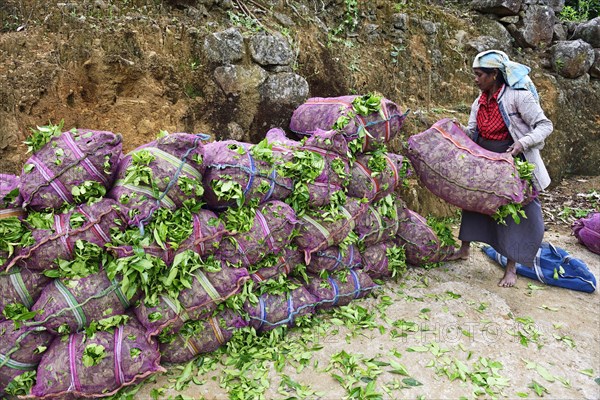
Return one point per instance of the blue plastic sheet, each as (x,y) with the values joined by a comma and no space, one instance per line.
(553,266)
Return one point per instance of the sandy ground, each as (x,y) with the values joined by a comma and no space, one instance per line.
(455,319)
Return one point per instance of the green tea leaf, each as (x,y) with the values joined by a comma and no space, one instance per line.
(411,382)
(93,354)
(21,384)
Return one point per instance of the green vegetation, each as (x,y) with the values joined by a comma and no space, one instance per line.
(525,172)
(13,234)
(93,354)
(580,10)
(87,260)
(21,384)
(42,135)
(350,20)
(568,214)
(244,21)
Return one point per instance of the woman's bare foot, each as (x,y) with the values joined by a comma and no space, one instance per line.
(510,275)
(462,253)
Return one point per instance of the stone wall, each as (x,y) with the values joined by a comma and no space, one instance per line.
(205,66)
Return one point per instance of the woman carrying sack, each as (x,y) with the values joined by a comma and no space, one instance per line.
(507,117)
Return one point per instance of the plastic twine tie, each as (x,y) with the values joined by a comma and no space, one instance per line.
(75,384)
(290,303)
(336,290)
(357,287)
(118,338)
(197,139)
(263,312)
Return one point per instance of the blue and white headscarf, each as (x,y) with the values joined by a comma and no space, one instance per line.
(515,74)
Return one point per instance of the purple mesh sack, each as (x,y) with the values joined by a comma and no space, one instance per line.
(376,261)
(200,337)
(280,264)
(336,171)
(459,171)
(587,231)
(19,350)
(207,291)
(374,186)
(231,163)
(163,173)
(277,136)
(331,179)
(275,310)
(318,233)
(332,146)
(379,223)
(122,358)
(271,233)
(207,233)
(334,258)
(59,242)
(320,193)
(322,113)
(20,286)
(67,161)
(421,243)
(340,289)
(10,197)
(153,249)
(75,303)
(330,140)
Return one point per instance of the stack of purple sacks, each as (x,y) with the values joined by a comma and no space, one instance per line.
(118,263)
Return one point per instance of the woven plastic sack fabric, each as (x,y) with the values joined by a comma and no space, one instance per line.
(232,161)
(59,242)
(67,161)
(277,136)
(10,197)
(176,169)
(331,179)
(322,113)
(328,144)
(76,303)
(335,291)
(553,266)
(271,232)
(320,193)
(421,244)
(18,350)
(281,309)
(318,233)
(128,357)
(374,226)
(9,191)
(459,171)
(20,286)
(167,254)
(330,140)
(374,186)
(587,231)
(200,337)
(375,260)
(207,291)
(337,169)
(207,233)
(334,258)
(282,264)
